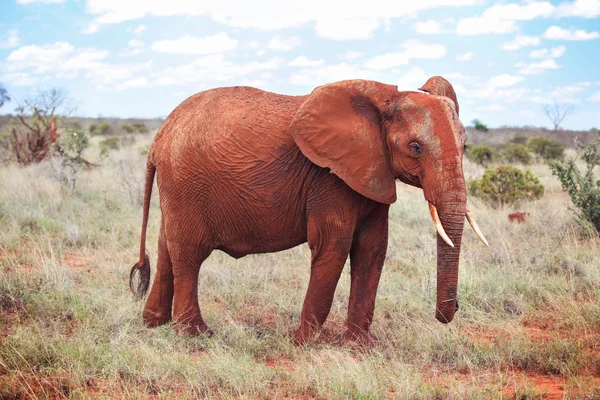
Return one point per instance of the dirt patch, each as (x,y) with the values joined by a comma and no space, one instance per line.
(76,262)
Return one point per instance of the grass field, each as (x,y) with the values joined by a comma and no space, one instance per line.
(528,325)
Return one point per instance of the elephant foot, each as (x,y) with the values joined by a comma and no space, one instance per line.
(361,338)
(194,329)
(305,335)
(153,319)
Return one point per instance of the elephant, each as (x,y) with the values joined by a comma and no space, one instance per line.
(247,171)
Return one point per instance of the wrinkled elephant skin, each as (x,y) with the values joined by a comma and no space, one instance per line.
(246,171)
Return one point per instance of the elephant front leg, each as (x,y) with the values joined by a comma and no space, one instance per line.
(366,260)
(160,301)
(329,253)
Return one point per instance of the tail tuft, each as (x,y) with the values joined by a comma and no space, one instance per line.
(140,289)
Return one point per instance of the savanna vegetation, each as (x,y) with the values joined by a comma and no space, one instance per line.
(528,324)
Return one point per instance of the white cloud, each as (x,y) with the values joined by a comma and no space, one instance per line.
(500,18)
(520,42)
(283,44)
(579,8)
(64,60)
(492,107)
(594,97)
(269,15)
(214,69)
(138,30)
(10,39)
(412,80)
(537,68)
(556,32)
(346,28)
(465,56)
(136,43)
(412,50)
(19,79)
(429,27)
(303,61)
(328,73)
(350,55)
(563,94)
(504,80)
(554,52)
(139,82)
(217,43)
(92,28)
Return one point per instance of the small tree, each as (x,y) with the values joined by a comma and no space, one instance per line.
(583,187)
(516,154)
(546,148)
(67,157)
(35,130)
(479,126)
(557,112)
(481,154)
(4,98)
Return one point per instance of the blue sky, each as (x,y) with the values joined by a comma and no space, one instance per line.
(140,58)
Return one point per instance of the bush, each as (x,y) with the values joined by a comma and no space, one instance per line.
(480,126)
(481,154)
(519,139)
(128,128)
(546,148)
(583,188)
(516,154)
(140,128)
(506,185)
(93,129)
(67,156)
(103,129)
(108,144)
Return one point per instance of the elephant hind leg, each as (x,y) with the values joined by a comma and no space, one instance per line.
(160,301)
(187,260)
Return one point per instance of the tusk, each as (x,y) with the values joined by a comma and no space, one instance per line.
(438,225)
(475,227)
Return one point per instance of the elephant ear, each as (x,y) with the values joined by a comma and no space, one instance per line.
(439,86)
(339,127)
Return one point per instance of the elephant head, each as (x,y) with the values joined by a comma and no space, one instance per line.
(369,134)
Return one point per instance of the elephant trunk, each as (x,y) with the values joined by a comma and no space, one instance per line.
(452,217)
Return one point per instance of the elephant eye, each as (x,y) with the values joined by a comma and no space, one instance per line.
(415,148)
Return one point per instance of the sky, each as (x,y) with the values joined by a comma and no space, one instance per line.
(141,58)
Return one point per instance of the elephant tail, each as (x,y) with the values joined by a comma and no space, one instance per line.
(142,267)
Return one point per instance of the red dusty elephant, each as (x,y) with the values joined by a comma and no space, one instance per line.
(246,171)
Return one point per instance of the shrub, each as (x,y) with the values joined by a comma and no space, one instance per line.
(128,128)
(546,148)
(519,139)
(481,154)
(480,126)
(67,156)
(516,154)
(583,188)
(506,185)
(140,128)
(109,144)
(93,129)
(103,129)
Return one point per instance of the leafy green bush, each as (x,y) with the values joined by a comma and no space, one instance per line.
(506,185)
(67,156)
(128,128)
(583,188)
(519,139)
(546,148)
(93,129)
(479,126)
(103,129)
(140,128)
(516,154)
(108,144)
(481,154)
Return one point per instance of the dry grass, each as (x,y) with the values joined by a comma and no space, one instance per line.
(528,326)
